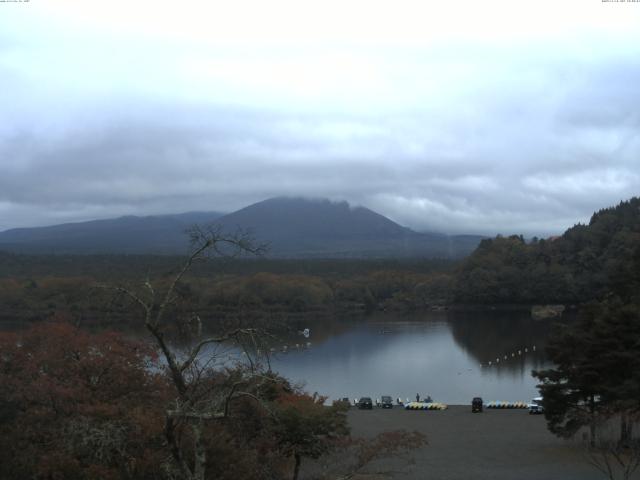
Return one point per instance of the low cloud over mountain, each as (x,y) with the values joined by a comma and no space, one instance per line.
(292,227)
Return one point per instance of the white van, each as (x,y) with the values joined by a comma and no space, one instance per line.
(535,407)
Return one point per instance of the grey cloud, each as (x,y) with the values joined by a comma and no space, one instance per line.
(176,159)
(520,142)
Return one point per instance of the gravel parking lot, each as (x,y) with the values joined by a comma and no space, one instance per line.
(493,445)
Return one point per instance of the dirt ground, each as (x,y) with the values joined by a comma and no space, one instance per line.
(493,445)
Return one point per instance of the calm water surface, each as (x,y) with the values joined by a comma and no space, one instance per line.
(451,356)
(445,355)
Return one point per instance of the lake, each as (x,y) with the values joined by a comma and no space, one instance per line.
(451,356)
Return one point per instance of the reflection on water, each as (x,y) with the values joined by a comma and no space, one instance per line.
(445,355)
(509,340)
(451,356)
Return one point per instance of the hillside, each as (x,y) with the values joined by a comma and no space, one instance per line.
(585,263)
(296,227)
(161,234)
(293,228)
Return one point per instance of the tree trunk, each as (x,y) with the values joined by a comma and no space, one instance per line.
(592,422)
(200,453)
(296,468)
(176,453)
(625,430)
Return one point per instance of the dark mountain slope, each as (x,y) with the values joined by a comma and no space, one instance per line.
(293,228)
(160,234)
(321,228)
(321,219)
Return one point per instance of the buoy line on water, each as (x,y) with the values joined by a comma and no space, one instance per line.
(506,357)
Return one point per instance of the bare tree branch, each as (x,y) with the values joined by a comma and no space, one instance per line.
(225,338)
(200,398)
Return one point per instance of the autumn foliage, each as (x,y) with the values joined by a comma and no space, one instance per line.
(78,405)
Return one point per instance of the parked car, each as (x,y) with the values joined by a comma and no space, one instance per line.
(535,407)
(476,404)
(386,402)
(365,403)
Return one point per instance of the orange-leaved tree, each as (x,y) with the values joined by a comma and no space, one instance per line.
(77,405)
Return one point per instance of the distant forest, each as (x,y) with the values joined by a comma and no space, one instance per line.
(585,263)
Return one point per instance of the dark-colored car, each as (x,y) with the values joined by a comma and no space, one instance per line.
(476,404)
(386,401)
(365,403)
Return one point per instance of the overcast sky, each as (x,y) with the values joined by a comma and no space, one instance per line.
(460,117)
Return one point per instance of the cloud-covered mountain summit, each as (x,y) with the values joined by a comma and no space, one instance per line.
(292,227)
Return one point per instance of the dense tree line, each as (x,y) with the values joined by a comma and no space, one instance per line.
(117,267)
(586,262)
(38,298)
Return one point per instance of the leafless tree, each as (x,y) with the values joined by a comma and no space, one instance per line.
(199,398)
(202,393)
(614,460)
(608,454)
(386,454)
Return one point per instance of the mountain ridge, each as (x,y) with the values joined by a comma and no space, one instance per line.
(126,234)
(294,227)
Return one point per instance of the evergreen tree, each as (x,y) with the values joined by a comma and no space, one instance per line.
(597,369)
